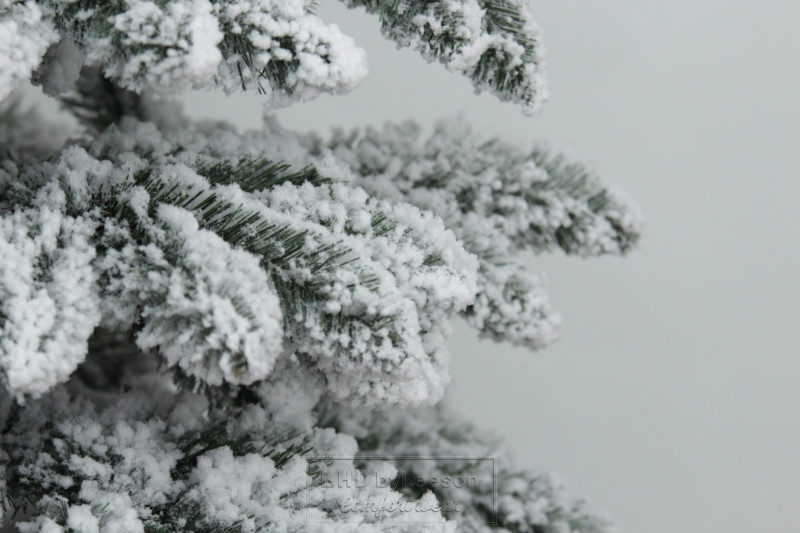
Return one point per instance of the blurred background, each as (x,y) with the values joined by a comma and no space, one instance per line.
(672,399)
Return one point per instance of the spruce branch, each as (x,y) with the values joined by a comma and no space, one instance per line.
(280,49)
(222,280)
(125,468)
(495,43)
(433,444)
(164,46)
(48,307)
(148,460)
(259,174)
(499,200)
(513,304)
(541,201)
(283,47)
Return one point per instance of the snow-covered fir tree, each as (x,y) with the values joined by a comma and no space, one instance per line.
(202,330)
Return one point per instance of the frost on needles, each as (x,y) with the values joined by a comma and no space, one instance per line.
(222,264)
(500,200)
(277,47)
(153,461)
(495,43)
(200,327)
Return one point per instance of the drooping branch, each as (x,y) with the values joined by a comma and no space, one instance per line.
(280,49)
(222,279)
(486,489)
(499,200)
(495,43)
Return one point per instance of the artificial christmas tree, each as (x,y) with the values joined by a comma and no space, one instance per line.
(208,331)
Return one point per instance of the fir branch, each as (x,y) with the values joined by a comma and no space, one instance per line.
(340,338)
(499,200)
(539,200)
(258,174)
(279,49)
(276,48)
(495,43)
(114,464)
(48,307)
(433,444)
(223,281)
(142,45)
(513,304)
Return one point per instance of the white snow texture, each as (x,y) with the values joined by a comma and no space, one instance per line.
(276,47)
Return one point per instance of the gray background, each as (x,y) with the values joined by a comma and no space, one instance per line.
(672,398)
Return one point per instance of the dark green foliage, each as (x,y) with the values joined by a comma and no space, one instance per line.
(259,174)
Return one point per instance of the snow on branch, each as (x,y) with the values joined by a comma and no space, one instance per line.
(48,305)
(142,464)
(433,277)
(278,48)
(367,286)
(495,43)
(540,201)
(207,307)
(223,273)
(25,35)
(280,45)
(498,199)
(513,304)
(433,444)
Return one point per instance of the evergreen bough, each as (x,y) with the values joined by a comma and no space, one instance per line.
(200,329)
